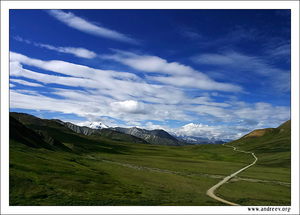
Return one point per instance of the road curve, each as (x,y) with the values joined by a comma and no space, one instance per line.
(210,191)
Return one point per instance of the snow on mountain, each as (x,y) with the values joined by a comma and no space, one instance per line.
(199,140)
(94,125)
(156,137)
(201,134)
(97,125)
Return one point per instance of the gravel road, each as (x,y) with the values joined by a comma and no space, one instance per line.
(210,191)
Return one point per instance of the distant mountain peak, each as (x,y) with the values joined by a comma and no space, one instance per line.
(156,137)
(93,125)
(195,140)
(97,125)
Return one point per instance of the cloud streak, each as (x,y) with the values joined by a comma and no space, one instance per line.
(87,27)
(78,52)
(178,75)
(27,83)
(240,63)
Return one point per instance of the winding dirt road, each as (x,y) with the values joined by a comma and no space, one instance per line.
(210,191)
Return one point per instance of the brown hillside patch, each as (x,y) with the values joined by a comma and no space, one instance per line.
(257,133)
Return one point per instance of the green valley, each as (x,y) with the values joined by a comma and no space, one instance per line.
(52,165)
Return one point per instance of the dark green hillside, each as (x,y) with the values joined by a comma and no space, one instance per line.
(34,139)
(76,141)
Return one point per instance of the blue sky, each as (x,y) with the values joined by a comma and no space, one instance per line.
(209,73)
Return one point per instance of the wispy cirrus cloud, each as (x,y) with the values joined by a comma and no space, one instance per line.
(232,38)
(20,39)
(149,63)
(27,83)
(241,63)
(236,60)
(189,33)
(178,75)
(278,51)
(78,52)
(118,85)
(85,26)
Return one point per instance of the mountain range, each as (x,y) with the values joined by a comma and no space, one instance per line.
(200,140)
(136,135)
(156,137)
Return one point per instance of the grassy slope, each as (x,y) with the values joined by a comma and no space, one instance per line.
(273,151)
(107,172)
(43,177)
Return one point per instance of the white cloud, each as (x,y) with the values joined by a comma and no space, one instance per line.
(19,99)
(179,75)
(264,113)
(102,89)
(205,100)
(196,82)
(151,126)
(17,70)
(119,85)
(27,83)
(129,106)
(71,69)
(83,25)
(222,132)
(152,64)
(133,123)
(217,112)
(78,52)
(57,66)
(197,130)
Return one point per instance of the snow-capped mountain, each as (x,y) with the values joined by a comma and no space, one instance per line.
(201,134)
(200,140)
(97,125)
(156,137)
(93,125)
